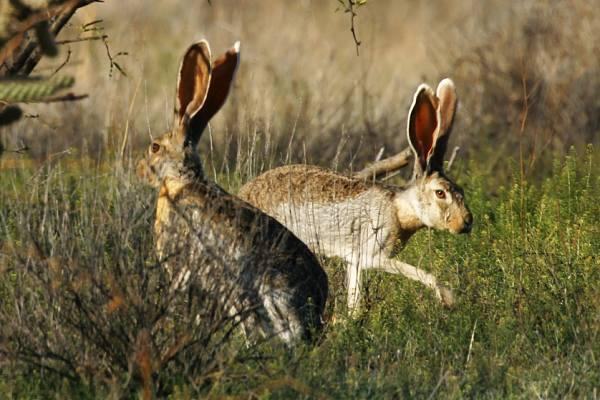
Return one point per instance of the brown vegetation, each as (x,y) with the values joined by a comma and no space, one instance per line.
(526,74)
(98,306)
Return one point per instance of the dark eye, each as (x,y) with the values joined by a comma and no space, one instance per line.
(155,147)
(440,194)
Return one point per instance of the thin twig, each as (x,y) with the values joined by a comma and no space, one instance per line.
(86,39)
(350,9)
(61,66)
(452,157)
(352,28)
(390,176)
(86,27)
(111,59)
(471,343)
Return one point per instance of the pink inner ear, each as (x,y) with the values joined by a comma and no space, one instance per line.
(425,124)
(194,77)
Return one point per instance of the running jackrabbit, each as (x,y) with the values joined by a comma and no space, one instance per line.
(368,223)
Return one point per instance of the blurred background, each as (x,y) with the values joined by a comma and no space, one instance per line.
(527,74)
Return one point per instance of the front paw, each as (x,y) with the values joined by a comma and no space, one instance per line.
(445,295)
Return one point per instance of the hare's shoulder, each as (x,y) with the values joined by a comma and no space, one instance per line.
(303,183)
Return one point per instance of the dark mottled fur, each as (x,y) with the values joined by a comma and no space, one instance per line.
(262,273)
(235,237)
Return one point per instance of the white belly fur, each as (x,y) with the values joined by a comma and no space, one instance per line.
(355,230)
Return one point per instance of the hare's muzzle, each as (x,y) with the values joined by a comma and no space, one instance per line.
(468,223)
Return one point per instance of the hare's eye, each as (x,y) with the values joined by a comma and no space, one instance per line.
(440,194)
(155,147)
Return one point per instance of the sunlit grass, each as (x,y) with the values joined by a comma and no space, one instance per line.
(526,280)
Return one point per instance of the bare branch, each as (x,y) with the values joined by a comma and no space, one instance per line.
(396,162)
(349,6)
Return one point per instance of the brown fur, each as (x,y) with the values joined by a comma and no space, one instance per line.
(316,184)
(251,262)
(367,223)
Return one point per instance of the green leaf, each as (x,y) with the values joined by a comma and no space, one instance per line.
(32,89)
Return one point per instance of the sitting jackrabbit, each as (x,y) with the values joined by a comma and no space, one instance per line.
(367,223)
(265,275)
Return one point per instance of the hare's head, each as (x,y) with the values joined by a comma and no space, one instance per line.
(202,88)
(440,203)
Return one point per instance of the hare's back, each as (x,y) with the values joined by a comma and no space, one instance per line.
(296,184)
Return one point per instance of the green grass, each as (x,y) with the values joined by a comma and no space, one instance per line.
(526,322)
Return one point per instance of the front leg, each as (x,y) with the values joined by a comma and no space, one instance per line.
(443,293)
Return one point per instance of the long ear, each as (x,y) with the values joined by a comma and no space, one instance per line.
(192,85)
(422,127)
(223,73)
(446,94)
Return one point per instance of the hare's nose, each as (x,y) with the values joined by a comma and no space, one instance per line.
(468,225)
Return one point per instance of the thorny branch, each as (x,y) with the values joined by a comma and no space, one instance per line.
(22,53)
